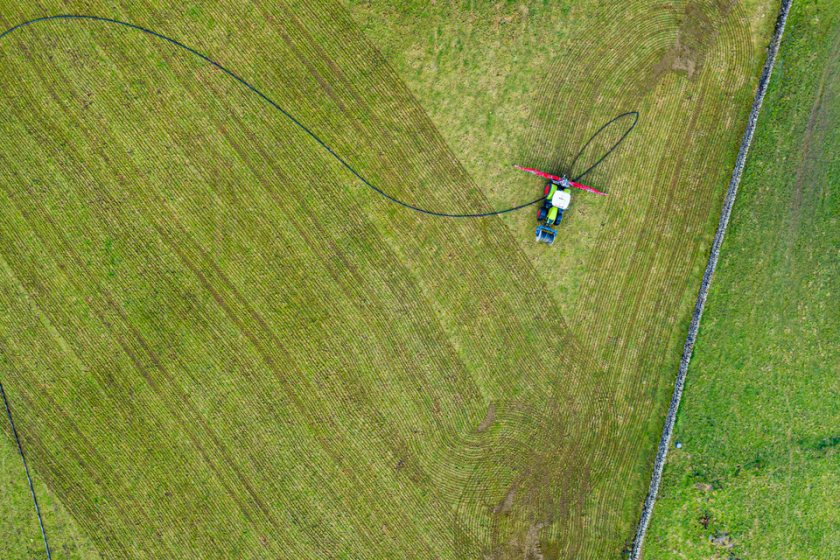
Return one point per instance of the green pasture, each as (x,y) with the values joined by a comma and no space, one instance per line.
(758,472)
(219,344)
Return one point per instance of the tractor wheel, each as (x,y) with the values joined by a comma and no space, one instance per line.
(547,186)
(541,214)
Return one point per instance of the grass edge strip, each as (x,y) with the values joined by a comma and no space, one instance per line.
(711,265)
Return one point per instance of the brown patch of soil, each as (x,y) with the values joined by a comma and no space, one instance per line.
(507,502)
(699,26)
(489,418)
(532,543)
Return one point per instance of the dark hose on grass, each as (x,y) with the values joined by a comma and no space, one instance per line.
(288,115)
(634,114)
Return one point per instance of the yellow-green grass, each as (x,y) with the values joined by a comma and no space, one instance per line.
(219,344)
(758,472)
(19,532)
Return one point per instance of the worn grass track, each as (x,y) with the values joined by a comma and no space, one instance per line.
(219,345)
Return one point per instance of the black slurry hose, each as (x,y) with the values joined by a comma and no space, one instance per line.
(288,115)
(315,137)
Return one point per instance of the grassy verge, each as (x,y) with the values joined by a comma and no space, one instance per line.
(759,461)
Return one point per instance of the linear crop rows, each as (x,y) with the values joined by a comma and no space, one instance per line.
(688,348)
(661,197)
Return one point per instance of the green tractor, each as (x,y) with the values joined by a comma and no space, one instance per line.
(557,200)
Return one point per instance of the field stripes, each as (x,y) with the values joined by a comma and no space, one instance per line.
(644,241)
(181,225)
(272,103)
(321,374)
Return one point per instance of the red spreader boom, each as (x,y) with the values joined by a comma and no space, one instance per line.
(551,177)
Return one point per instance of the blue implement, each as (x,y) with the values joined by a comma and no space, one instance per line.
(546,234)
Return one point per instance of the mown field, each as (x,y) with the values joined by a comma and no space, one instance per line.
(758,473)
(219,344)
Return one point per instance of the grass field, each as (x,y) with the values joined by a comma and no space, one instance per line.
(219,344)
(758,473)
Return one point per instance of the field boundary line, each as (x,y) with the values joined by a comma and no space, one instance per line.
(26,469)
(711,265)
